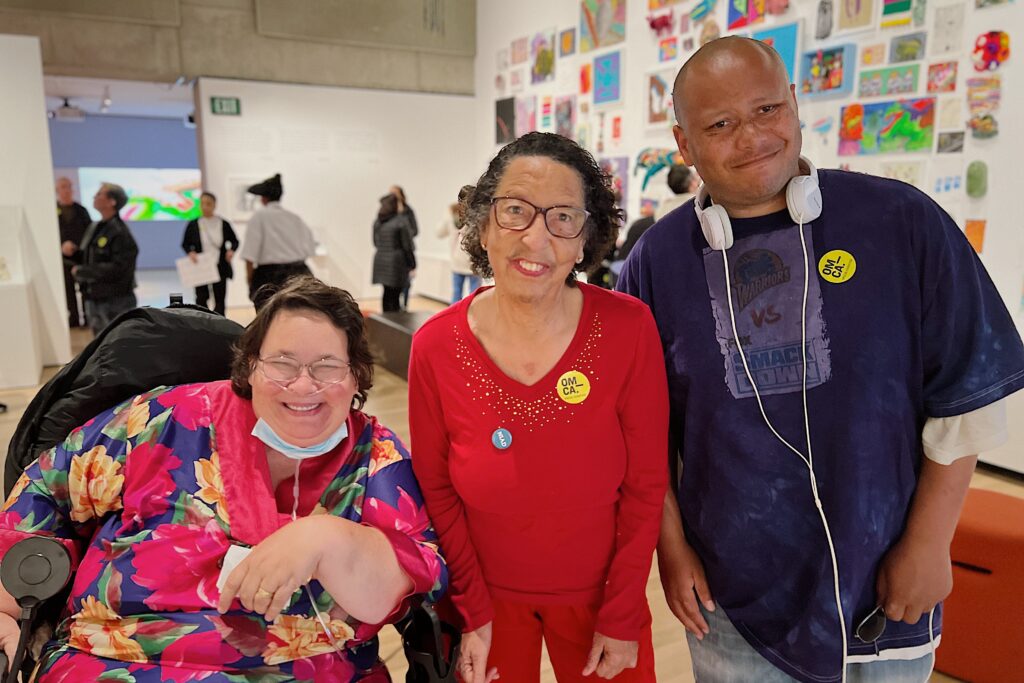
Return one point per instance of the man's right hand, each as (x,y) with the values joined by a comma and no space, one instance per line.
(193,257)
(68,248)
(473,651)
(682,573)
(682,578)
(9,635)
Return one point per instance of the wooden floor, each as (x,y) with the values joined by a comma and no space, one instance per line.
(388,402)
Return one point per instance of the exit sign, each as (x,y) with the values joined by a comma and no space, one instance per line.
(229,106)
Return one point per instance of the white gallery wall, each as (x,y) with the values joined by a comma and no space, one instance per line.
(338,151)
(951,28)
(32,283)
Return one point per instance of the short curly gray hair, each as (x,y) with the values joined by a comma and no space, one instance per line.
(605,217)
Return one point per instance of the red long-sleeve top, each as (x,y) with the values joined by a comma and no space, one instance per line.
(569,512)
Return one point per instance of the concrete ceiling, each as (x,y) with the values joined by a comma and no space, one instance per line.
(128,98)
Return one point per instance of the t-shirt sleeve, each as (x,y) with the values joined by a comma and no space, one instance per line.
(972,354)
(946,439)
(643,418)
(253,240)
(309,239)
(430,450)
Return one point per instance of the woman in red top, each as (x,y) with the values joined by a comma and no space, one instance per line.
(539,418)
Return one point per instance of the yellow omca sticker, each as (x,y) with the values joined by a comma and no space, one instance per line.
(101,242)
(837,266)
(573,387)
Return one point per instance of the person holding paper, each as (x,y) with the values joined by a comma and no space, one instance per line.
(211,233)
(261,527)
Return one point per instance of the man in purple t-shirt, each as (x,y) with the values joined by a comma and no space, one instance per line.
(890,327)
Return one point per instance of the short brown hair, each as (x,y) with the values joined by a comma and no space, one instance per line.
(605,217)
(306,293)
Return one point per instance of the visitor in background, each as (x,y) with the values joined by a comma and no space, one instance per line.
(210,233)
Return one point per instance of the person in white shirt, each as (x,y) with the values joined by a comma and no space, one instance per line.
(211,233)
(277,243)
(463,280)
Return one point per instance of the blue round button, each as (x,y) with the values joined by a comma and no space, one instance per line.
(501,438)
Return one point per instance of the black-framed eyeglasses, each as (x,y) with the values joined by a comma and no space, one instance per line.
(872,626)
(284,370)
(513,213)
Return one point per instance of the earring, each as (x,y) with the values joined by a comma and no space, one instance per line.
(579,260)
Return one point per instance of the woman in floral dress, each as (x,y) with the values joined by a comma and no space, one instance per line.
(278,466)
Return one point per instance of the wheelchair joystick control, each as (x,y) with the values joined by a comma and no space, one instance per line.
(35,569)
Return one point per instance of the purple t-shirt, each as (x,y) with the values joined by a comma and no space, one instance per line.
(903,323)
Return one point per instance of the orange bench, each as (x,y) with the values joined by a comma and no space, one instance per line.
(983,618)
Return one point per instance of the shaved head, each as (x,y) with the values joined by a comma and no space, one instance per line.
(699,70)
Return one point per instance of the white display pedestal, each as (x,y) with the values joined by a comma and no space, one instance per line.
(21,358)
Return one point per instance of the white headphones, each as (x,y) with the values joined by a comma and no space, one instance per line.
(803,199)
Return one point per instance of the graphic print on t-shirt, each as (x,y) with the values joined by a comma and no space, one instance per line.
(767,289)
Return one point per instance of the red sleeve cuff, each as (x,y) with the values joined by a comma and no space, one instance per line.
(624,627)
(473,615)
(410,558)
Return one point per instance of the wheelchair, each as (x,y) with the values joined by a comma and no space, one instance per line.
(141,349)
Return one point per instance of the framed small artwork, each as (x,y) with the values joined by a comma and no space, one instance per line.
(891,80)
(908,48)
(520,50)
(567,42)
(608,78)
(505,121)
(942,77)
(827,72)
(658,111)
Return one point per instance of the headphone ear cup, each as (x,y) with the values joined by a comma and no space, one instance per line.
(714,223)
(803,199)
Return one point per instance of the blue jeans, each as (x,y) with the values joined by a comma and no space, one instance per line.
(99,312)
(724,656)
(458,281)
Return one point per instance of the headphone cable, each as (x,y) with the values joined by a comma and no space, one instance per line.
(809,458)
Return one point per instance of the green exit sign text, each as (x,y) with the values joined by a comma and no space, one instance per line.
(228,106)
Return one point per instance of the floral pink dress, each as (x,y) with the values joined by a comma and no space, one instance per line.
(149,496)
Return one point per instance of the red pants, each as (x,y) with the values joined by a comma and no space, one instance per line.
(568,632)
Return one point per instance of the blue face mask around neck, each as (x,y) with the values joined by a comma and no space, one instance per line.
(268,436)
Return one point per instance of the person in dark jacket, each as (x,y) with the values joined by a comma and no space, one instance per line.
(211,232)
(74,221)
(104,263)
(414,230)
(395,259)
